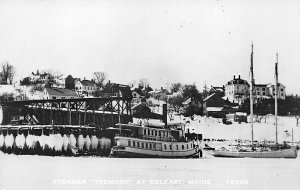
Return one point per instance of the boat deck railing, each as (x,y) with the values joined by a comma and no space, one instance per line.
(165,139)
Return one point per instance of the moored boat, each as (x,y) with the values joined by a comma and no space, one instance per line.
(153,141)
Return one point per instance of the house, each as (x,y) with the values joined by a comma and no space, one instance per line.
(280,89)
(59,93)
(137,95)
(70,82)
(213,103)
(2,79)
(59,81)
(217,89)
(237,90)
(45,77)
(34,77)
(40,78)
(116,90)
(86,87)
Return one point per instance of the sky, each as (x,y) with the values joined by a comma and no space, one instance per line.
(163,41)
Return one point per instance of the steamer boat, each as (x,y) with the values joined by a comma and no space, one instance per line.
(146,140)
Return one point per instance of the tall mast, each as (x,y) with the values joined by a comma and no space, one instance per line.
(276,91)
(251,93)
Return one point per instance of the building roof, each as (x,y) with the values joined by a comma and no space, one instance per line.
(61,92)
(217,88)
(208,97)
(112,87)
(44,74)
(187,101)
(237,81)
(88,83)
(260,85)
(215,109)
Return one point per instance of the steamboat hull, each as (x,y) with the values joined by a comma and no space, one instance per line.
(129,153)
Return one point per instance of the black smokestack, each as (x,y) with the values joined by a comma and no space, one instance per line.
(165,117)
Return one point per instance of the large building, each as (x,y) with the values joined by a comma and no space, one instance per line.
(237,90)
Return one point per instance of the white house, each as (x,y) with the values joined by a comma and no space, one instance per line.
(236,90)
(281,91)
(86,87)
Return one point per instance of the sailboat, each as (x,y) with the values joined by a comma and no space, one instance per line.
(273,151)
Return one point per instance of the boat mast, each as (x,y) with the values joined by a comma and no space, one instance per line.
(276,91)
(251,93)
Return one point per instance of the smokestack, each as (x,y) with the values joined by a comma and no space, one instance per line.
(165,116)
(239,76)
(233,77)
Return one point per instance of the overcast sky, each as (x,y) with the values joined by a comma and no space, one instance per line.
(164,41)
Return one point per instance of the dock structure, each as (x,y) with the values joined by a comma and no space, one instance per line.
(101,112)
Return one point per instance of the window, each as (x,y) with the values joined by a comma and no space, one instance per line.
(150,146)
(187,146)
(148,131)
(159,133)
(170,147)
(264,93)
(138,144)
(152,132)
(142,145)
(129,143)
(264,89)
(145,132)
(281,90)
(53,97)
(155,133)
(133,143)
(182,147)
(177,147)
(154,145)
(165,146)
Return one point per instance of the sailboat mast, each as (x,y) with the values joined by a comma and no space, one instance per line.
(276,91)
(251,94)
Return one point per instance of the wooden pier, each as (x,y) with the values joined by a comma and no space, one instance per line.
(99,112)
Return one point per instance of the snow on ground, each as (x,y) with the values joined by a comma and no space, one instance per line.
(8,89)
(42,172)
(213,128)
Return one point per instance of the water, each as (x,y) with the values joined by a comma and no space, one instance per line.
(36,172)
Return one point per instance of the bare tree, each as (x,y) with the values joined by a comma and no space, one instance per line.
(100,77)
(8,71)
(144,82)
